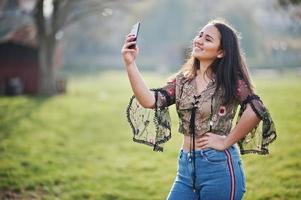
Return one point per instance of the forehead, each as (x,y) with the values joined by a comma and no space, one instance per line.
(211,30)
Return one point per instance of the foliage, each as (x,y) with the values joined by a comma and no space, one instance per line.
(286,2)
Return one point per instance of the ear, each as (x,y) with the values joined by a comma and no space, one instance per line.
(220,53)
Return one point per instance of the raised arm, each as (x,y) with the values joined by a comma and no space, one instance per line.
(144,96)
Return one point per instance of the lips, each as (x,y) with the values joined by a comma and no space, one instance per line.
(198,47)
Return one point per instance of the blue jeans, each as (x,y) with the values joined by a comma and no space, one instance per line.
(219,176)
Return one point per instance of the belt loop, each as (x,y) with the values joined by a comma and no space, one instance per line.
(202,153)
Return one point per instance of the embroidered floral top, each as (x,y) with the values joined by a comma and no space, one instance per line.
(152,126)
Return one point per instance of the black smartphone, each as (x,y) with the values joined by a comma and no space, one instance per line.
(135,31)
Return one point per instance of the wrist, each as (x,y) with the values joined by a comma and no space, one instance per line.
(129,64)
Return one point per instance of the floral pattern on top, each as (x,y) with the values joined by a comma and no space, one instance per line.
(153,126)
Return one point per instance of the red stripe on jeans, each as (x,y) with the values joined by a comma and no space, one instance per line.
(231,174)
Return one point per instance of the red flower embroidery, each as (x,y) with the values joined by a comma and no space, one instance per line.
(222,111)
(170,91)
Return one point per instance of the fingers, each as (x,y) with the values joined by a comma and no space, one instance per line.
(129,35)
(203,145)
(129,41)
(202,142)
(202,139)
(130,38)
(128,44)
(211,140)
(128,50)
(125,50)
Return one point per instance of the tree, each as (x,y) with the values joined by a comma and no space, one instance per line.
(51,18)
(286,2)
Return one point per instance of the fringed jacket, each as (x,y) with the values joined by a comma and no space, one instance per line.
(153,126)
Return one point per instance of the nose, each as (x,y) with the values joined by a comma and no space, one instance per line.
(198,40)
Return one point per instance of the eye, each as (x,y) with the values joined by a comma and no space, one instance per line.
(208,40)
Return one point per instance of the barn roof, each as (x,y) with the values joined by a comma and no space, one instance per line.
(17,24)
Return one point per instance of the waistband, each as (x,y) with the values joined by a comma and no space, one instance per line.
(200,153)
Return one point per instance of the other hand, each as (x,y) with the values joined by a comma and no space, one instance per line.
(212,140)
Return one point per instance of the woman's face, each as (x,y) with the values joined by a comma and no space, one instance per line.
(206,45)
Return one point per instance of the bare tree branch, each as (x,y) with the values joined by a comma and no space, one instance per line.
(68,12)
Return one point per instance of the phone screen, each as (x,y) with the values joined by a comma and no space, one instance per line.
(135,31)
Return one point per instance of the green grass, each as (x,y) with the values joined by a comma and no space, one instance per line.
(79,146)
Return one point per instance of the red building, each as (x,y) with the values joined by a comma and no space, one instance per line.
(18,48)
(18,66)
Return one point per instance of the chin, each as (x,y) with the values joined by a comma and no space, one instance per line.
(198,56)
(201,56)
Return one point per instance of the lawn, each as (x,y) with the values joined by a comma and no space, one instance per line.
(78,145)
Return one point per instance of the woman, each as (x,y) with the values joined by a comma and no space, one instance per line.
(206,92)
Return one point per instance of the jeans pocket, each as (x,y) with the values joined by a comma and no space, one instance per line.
(215,157)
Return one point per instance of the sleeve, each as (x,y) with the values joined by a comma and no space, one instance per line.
(258,139)
(152,126)
(165,96)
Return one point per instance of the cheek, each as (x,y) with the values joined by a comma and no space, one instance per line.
(212,51)
(211,48)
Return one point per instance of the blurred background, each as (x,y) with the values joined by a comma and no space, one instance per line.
(64,91)
(80,37)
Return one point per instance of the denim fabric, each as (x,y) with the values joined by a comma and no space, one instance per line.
(219,176)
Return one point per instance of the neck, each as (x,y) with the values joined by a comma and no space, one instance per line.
(204,66)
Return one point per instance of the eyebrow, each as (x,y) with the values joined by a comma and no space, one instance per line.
(207,35)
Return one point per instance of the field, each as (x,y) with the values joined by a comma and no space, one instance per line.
(79,145)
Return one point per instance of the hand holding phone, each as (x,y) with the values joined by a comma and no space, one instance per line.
(135,31)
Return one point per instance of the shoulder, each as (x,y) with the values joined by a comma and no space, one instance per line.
(176,78)
(243,89)
(181,78)
(241,84)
